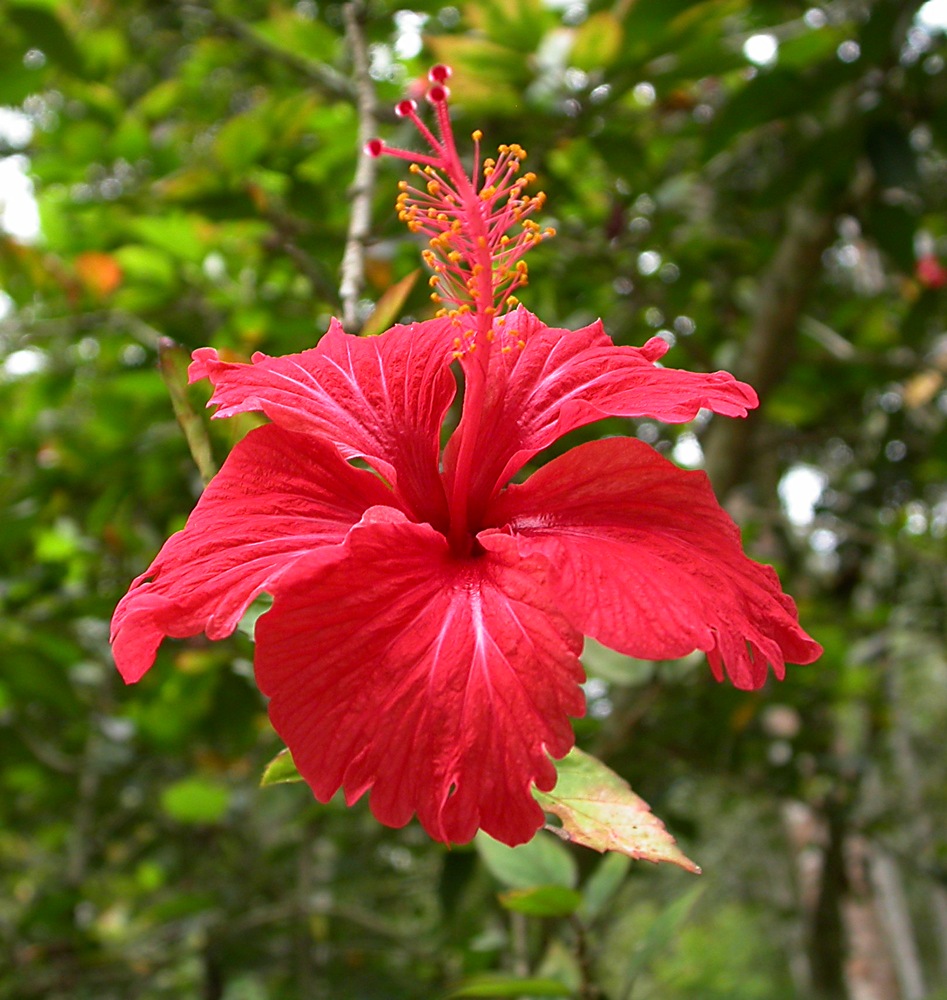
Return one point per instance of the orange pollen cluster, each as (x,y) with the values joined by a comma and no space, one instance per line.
(478,225)
(471,236)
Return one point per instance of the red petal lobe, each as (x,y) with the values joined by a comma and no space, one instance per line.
(440,684)
(379,398)
(278,496)
(564,379)
(649,563)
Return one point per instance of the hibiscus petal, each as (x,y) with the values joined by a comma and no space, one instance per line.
(381,398)
(563,379)
(648,562)
(441,684)
(278,496)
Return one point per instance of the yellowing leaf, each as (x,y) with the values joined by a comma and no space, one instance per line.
(599,810)
(172,364)
(389,306)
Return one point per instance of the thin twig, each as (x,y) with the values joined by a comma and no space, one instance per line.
(353,260)
(32,330)
(588,989)
(286,230)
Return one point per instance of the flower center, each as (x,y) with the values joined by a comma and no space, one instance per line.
(479,230)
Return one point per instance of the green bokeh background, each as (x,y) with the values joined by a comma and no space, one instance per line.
(192,163)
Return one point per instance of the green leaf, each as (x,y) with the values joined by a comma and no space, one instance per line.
(148,265)
(306,39)
(241,141)
(509,986)
(180,235)
(542,901)
(514,24)
(281,770)
(894,227)
(195,800)
(891,155)
(661,931)
(389,305)
(601,886)
(600,661)
(542,861)
(598,41)
(43,29)
(259,607)
(599,809)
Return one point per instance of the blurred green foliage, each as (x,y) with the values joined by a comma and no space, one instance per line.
(192,163)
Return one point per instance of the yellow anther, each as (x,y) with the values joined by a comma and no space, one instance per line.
(505,350)
(433,281)
(476,135)
(435,298)
(491,336)
(521,344)
(433,187)
(512,301)
(487,192)
(457,355)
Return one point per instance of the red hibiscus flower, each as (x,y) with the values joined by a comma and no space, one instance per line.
(427,612)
